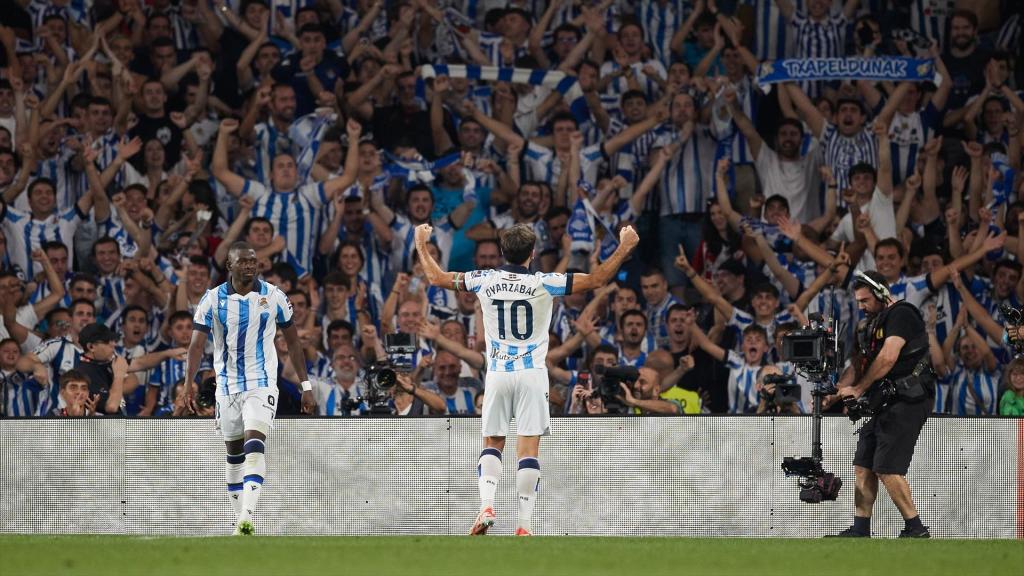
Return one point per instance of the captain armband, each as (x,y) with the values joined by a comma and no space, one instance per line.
(459,282)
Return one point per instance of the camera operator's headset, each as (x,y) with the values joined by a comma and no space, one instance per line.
(878,290)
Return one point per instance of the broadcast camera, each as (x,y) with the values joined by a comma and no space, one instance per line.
(813,349)
(381,376)
(817,354)
(607,382)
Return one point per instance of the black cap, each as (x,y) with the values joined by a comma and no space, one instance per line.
(734,267)
(94,333)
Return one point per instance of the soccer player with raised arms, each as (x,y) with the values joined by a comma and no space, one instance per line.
(517,312)
(243,316)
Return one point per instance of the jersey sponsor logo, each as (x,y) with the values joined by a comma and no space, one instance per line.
(513,288)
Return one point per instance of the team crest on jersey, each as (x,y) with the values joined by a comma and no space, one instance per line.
(263,303)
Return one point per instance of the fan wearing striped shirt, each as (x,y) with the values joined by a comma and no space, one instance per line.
(242,316)
(291,205)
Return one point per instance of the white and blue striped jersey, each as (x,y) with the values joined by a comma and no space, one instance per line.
(660,21)
(657,319)
(331,396)
(543,165)
(269,143)
(459,402)
(685,185)
(742,385)
(164,377)
(773,40)
(819,39)
(907,136)
(648,86)
(25,234)
(21,394)
(975,392)
(243,329)
(57,169)
(402,244)
(929,18)
(517,313)
(842,152)
(741,319)
(295,215)
(59,355)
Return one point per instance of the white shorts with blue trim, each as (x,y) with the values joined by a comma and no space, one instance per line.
(523,395)
(249,410)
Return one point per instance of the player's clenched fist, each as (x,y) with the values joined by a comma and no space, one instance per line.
(628,237)
(423,233)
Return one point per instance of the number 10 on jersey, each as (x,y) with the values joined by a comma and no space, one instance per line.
(513,317)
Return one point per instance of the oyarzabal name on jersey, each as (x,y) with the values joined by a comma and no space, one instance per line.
(510,287)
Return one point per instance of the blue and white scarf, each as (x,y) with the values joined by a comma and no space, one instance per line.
(561,82)
(894,69)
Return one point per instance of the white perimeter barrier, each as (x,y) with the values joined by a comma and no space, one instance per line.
(664,476)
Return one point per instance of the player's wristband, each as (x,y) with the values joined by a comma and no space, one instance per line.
(306,386)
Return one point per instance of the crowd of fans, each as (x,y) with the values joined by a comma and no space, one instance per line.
(138,140)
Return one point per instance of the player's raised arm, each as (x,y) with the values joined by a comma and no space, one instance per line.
(435,275)
(605,271)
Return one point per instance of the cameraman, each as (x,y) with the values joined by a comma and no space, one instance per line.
(766,393)
(643,397)
(894,348)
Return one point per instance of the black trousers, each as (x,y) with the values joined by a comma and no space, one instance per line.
(887,441)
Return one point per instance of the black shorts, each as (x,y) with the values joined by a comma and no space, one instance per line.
(887,441)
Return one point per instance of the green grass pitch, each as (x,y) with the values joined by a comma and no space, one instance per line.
(493,556)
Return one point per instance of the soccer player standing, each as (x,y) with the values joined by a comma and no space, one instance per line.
(243,315)
(517,312)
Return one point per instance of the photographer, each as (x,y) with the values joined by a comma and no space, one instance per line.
(766,392)
(643,398)
(896,377)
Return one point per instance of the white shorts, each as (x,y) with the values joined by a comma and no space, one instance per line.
(522,394)
(249,410)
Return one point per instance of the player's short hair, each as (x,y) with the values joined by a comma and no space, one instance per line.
(238,247)
(517,243)
(73,375)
